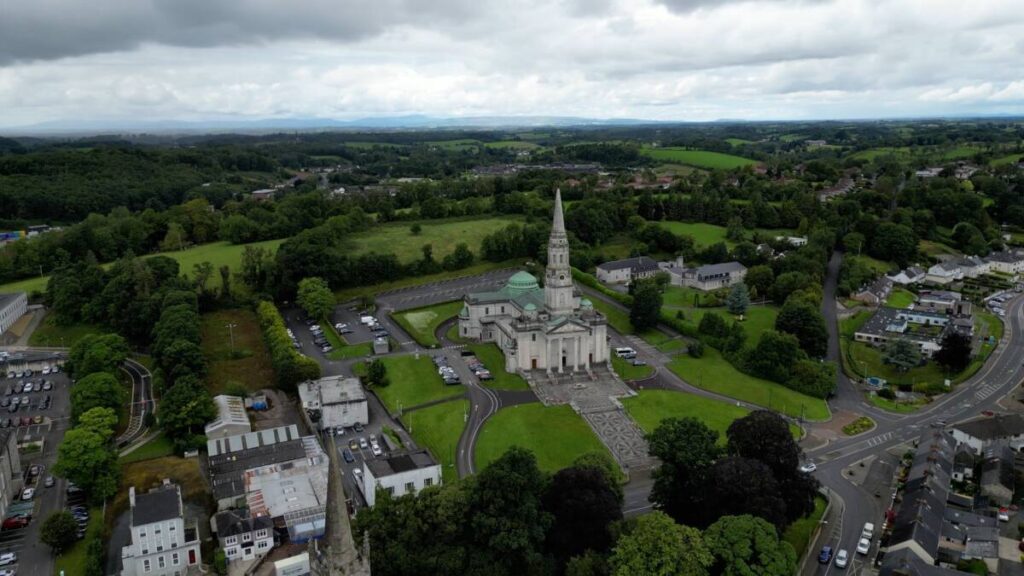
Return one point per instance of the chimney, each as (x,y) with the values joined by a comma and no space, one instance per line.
(131,496)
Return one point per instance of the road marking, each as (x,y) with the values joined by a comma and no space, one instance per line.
(880,439)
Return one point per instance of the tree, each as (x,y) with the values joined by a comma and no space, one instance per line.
(773,356)
(902,353)
(415,229)
(646,309)
(589,564)
(184,410)
(315,297)
(377,373)
(97,390)
(201,274)
(803,320)
(894,242)
(741,485)
(789,282)
(59,531)
(853,242)
(657,546)
(747,545)
(583,504)
(764,435)
(97,353)
(686,448)
(955,353)
(738,299)
(760,279)
(175,239)
(87,459)
(507,521)
(182,358)
(102,421)
(225,282)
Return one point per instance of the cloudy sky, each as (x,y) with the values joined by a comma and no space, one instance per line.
(199,60)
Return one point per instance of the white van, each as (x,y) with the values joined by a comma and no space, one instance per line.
(623,352)
(367,320)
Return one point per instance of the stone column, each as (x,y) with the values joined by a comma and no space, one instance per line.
(559,348)
(576,354)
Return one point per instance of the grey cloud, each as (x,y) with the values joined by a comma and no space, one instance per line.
(50,29)
(686,6)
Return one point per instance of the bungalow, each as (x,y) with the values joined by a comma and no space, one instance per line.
(626,271)
(874,294)
(939,301)
(944,272)
(911,275)
(931,172)
(263,195)
(709,277)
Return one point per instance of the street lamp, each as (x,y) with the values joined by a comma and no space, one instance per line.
(231,333)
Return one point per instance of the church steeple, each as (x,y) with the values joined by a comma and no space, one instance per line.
(558,288)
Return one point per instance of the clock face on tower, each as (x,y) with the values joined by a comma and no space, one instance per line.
(561,276)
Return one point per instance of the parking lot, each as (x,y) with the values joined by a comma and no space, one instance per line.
(350,315)
(38,422)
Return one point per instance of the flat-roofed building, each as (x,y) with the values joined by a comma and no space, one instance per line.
(12,308)
(230,457)
(399,474)
(335,401)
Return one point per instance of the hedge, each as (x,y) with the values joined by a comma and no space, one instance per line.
(588,280)
(290,366)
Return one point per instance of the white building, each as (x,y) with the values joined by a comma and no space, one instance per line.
(161,544)
(297,565)
(1007,262)
(706,278)
(794,241)
(12,307)
(911,275)
(540,329)
(293,494)
(337,401)
(944,272)
(231,418)
(399,474)
(10,469)
(626,271)
(243,537)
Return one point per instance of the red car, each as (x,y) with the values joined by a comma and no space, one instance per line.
(15,522)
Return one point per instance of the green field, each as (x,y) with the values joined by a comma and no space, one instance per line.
(370,291)
(413,381)
(713,372)
(627,371)
(1003,160)
(650,407)
(684,297)
(457,144)
(757,320)
(702,234)
(350,350)
(514,144)
(555,434)
(246,362)
(49,333)
(494,360)
(156,448)
(422,323)
(698,158)
(872,153)
(900,298)
(442,235)
(738,141)
(216,253)
(438,428)
(932,248)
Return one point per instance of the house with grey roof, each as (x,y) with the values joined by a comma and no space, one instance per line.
(1007,261)
(944,272)
(243,537)
(874,293)
(997,474)
(984,432)
(910,275)
(161,543)
(399,474)
(627,271)
(707,277)
(925,329)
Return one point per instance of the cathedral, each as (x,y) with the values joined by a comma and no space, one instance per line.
(550,328)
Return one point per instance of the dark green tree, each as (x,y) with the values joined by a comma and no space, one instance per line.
(59,531)
(97,353)
(760,279)
(686,448)
(657,546)
(315,297)
(955,353)
(184,410)
(741,485)
(97,390)
(902,353)
(738,299)
(773,356)
(583,504)
(646,309)
(803,320)
(747,545)
(88,459)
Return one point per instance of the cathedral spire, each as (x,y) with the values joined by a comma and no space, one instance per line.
(558,224)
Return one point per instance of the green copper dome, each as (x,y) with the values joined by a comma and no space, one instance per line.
(586,303)
(521,283)
(530,307)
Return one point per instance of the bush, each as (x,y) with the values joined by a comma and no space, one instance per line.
(696,349)
(886,393)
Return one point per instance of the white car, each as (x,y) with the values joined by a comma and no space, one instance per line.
(46,370)
(863,546)
(6,572)
(842,558)
(808,467)
(376,450)
(358,473)
(8,558)
(28,493)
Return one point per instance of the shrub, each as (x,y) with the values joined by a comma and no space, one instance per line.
(696,349)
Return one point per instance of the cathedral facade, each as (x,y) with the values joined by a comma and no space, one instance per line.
(551,328)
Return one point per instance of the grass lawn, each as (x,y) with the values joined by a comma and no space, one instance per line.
(492,357)
(413,381)
(248,363)
(438,428)
(627,371)
(72,562)
(673,346)
(453,335)
(619,319)
(703,234)
(932,248)
(370,291)
(755,322)
(650,407)
(892,405)
(900,298)
(421,323)
(713,372)
(514,144)
(443,235)
(698,158)
(351,351)
(879,266)
(216,253)
(156,448)
(555,434)
(799,533)
(738,141)
(49,333)
(1002,160)
(684,297)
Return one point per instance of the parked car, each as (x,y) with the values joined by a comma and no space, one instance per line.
(353,444)
(842,559)
(358,427)
(6,572)
(808,467)
(46,370)
(15,522)
(49,482)
(863,546)
(28,493)
(376,450)
(363,443)
(348,456)
(37,419)
(825,556)
(358,473)
(8,558)
(48,385)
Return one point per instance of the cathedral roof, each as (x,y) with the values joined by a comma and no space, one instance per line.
(521,282)
(558,223)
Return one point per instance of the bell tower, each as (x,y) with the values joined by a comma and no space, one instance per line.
(558,285)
